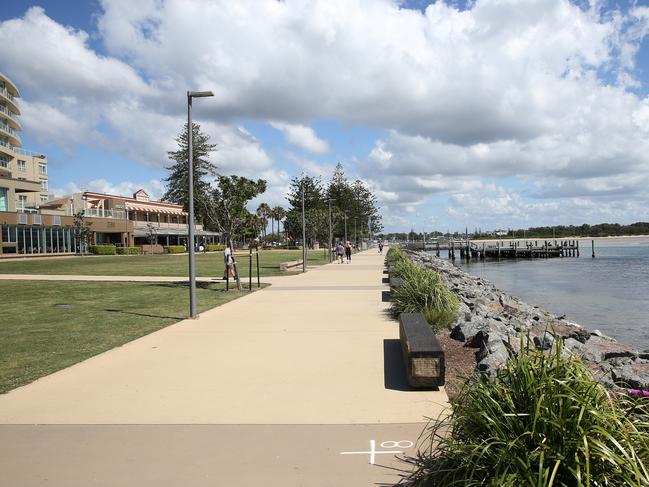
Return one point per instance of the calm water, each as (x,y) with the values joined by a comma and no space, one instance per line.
(610,292)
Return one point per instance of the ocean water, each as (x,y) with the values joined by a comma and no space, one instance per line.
(609,292)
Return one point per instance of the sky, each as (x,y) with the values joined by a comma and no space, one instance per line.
(483,114)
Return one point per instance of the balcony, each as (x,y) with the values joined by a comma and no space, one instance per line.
(101,213)
(141,228)
(11,134)
(10,99)
(11,117)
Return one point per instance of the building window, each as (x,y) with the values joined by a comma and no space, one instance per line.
(4,202)
(4,163)
(22,165)
(42,169)
(43,199)
(44,184)
(22,202)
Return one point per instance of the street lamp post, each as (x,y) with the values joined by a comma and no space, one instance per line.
(303,232)
(345,228)
(190,223)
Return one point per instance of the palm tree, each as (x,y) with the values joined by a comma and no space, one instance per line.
(279,214)
(263,212)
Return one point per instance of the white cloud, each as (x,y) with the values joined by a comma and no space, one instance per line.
(302,136)
(153,187)
(530,91)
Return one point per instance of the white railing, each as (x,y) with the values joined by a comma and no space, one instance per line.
(6,93)
(176,226)
(9,130)
(24,152)
(101,213)
(9,113)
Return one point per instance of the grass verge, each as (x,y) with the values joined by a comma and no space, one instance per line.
(207,265)
(47,326)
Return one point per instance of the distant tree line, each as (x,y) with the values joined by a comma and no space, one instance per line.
(585,230)
(351,202)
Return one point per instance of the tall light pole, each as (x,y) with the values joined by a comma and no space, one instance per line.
(190,223)
(355,239)
(345,228)
(330,232)
(303,232)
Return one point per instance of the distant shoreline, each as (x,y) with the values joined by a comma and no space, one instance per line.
(508,239)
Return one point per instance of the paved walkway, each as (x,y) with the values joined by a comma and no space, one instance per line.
(313,349)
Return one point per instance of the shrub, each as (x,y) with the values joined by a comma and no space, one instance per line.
(542,421)
(104,249)
(214,248)
(423,292)
(394,255)
(129,250)
(175,249)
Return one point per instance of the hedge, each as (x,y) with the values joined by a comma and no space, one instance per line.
(214,248)
(175,249)
(129,250)
(108,249)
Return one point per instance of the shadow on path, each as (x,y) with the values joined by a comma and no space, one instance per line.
(394,370)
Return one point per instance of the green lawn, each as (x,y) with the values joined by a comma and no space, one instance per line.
(207,265)
(47,326)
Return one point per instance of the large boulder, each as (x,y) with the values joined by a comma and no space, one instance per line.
(597,349)
(634,375)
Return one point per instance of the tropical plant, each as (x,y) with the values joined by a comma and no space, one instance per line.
(542,422)
(264,213)
(422,291)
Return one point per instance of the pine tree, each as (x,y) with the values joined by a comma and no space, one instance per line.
(178,180)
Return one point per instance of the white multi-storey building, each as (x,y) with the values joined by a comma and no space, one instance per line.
(23,174)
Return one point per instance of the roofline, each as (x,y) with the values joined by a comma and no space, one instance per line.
(126,198)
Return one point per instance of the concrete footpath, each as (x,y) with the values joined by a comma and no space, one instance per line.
(301,383)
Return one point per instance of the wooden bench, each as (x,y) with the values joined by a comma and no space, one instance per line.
(422,354)
(285,266)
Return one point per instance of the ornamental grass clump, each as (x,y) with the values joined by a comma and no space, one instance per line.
(542,422)
(394,255)
(423,292)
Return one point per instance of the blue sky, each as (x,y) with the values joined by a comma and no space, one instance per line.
(481,114)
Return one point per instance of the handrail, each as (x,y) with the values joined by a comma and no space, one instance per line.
(11,114)
(24,152)
(6,93)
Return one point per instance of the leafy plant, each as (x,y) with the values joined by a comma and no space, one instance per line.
(129,250)
(105,249)
(423,292)
(542,422)
(175,249)
(394,255)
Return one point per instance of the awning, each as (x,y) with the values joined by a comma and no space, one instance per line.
(162,232)
(155,209)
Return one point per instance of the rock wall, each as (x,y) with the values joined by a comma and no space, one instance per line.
(492,322)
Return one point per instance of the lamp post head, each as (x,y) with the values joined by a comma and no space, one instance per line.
(199,94)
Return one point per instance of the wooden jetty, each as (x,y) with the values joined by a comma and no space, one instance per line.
(503,249)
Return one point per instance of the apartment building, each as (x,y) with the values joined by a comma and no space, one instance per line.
(23,174)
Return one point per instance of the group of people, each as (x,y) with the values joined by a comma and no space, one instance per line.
(344,251)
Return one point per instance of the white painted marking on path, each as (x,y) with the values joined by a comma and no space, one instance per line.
(386,444)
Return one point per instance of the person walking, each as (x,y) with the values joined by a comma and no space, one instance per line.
(348,252)
(340,252)
(228,260)
(380,247)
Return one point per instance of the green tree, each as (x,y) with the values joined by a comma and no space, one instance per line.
(264,213)
(314,205)
(178,180)
(225,208)
(278,214)
(81,231)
